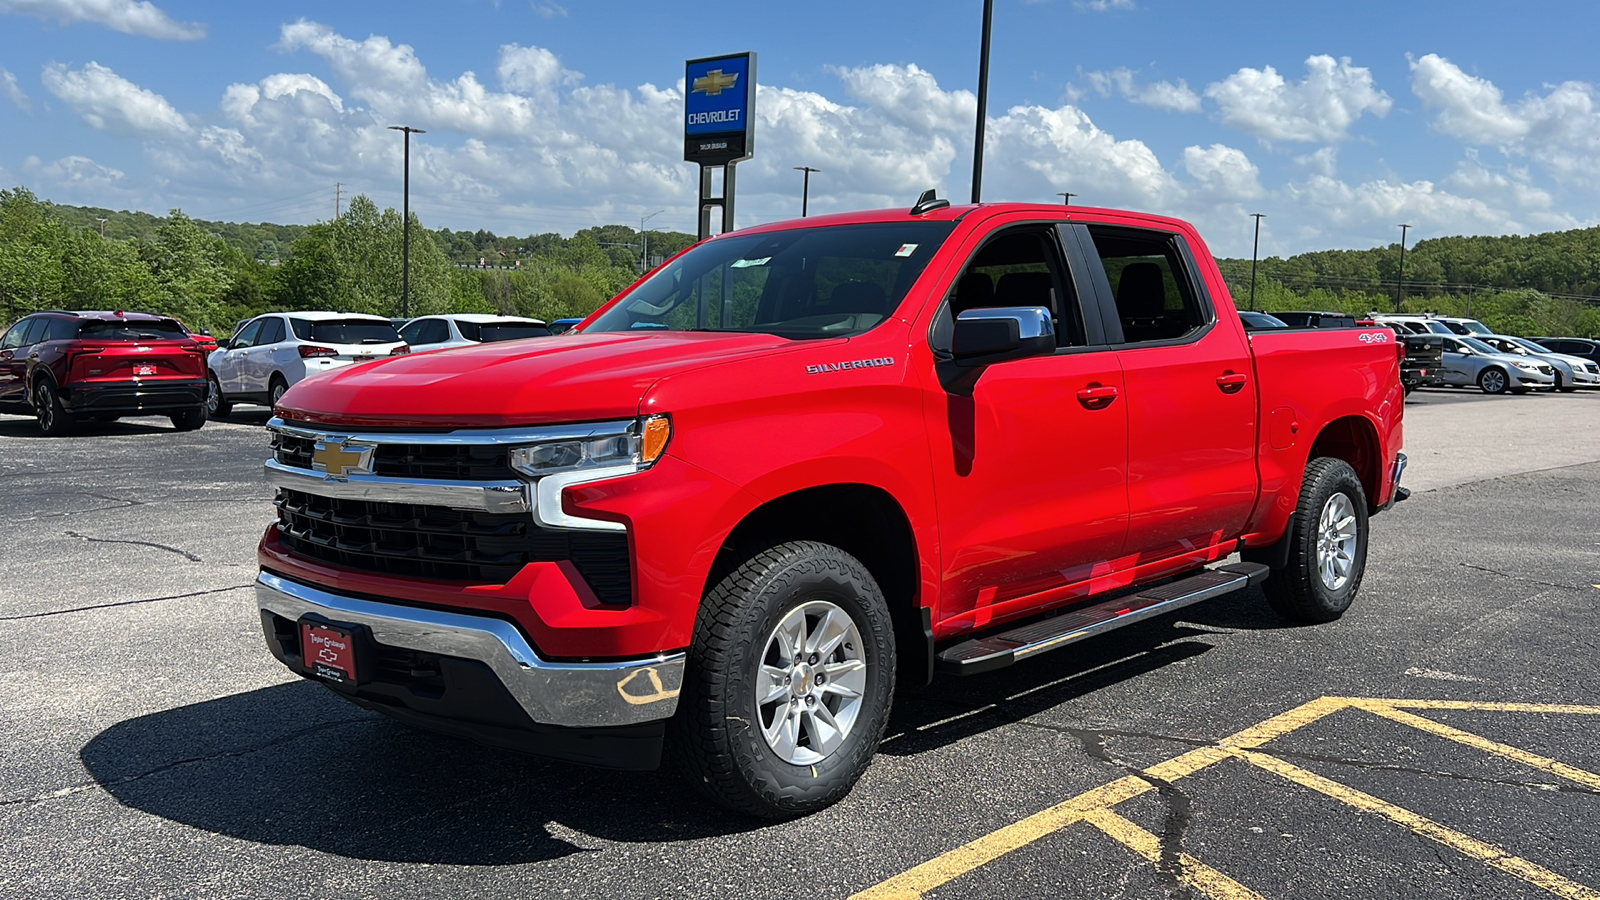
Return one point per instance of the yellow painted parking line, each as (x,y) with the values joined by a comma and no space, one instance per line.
(1465,844)
(1557,708)
(945,868)
(1560,769)
(1193,872)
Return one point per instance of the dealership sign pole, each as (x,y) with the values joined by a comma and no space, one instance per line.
(718,127)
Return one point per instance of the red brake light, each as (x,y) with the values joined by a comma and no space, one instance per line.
(309,351)
(401,350)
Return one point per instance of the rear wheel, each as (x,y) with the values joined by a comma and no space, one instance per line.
(1492,381)
(217,406)
(1328,546)
(789,682)
(53,418)
(189,419)
(276,389)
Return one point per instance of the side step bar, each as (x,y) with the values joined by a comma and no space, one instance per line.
(997,651)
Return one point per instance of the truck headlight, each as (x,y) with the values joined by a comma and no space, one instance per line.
(637,444)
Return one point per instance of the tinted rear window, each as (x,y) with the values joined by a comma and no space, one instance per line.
(345,331)
(489,332)
(123,330)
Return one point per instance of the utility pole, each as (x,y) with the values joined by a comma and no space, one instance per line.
(805,187)
(1399,283)
(644,242)
(405,276)
(336,198)
(983,103)
(102,225)
(1066,197)
(1255,252)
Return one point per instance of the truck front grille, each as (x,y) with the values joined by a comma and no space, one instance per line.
(446,544)
(446,462)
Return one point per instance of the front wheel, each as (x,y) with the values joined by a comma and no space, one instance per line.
(217,405)
(1492,381)
(1328,546)
(789,682)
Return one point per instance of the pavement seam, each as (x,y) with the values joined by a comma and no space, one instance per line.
(62,612)
(94,540)
(1569,587)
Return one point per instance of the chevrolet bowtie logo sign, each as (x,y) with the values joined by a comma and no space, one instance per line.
(713,83)
(340,459)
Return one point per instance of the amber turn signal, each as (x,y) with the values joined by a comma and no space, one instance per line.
(657,432)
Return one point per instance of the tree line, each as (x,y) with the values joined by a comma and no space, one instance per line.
(213,274)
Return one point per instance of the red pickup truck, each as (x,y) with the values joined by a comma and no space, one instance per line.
(803,461)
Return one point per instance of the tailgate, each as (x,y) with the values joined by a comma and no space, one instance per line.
(144,361)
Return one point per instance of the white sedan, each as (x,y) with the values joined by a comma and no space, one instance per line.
(466,329)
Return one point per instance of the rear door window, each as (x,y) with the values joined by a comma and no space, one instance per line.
(271,331)
(1149,281)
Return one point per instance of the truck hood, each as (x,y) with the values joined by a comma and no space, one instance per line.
(571,378)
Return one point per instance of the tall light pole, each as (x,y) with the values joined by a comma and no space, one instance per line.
(644,242)
(983,103)
(1399,283)
(405,263)
(805,187)
(1066,197)
(1254,252)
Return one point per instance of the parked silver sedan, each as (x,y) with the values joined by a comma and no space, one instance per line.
(1469,361)
(1572,372)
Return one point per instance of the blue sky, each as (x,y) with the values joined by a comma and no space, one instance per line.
(1338,121)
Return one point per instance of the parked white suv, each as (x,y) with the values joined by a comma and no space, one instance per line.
(271,352)
(1411,324)
(466,329)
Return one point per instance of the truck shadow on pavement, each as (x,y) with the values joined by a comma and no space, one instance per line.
(294,765)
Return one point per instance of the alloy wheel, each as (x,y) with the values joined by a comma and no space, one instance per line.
(813,677)
(1336,541)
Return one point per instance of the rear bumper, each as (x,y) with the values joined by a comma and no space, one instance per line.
(134,396)
(1397,493)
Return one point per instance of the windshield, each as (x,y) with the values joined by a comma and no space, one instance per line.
(1528,345)
(345,331)
(1479,346)
(821,282)
(1439,327)
(1473,326)
(503,330)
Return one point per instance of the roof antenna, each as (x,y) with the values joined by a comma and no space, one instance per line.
(928,203)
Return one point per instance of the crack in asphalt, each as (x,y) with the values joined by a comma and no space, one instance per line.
(178,764)
(1558,786)
(62,612)
(1569,587)
(94,540)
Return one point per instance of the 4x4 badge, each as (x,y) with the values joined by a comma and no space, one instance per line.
(338,459)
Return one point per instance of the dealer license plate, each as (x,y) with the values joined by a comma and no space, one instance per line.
(329,652)
(144,370)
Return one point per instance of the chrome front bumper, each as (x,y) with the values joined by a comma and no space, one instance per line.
(573,695)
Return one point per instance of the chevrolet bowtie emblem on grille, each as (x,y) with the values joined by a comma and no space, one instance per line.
(713,83)
(339,459)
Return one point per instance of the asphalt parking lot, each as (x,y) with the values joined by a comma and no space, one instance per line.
(1439,741)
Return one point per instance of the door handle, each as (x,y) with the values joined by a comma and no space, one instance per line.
(1231,382)
(1097,396)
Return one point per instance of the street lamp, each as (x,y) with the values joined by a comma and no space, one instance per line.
(644,242)
(805,187)
(983,103)
(1066,197)
(1399,283)
(405,274)
(1254,252)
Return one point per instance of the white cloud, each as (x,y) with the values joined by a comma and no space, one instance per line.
(1162,94)
(910,96)
(138,17)
(1559,129)
(1322,161)
(1322,108)
(13,91)
(549,10)
(1223,171)
(112,103)
(1103,5)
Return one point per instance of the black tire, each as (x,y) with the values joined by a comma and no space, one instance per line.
(53,418)
(189,419)
(717,737)
(217,405)
(105,417)
(1300,592)
(1557,386)
(276,389)
(1493,381)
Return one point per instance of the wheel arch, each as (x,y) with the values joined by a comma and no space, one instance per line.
(863,520)
(1354,439)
